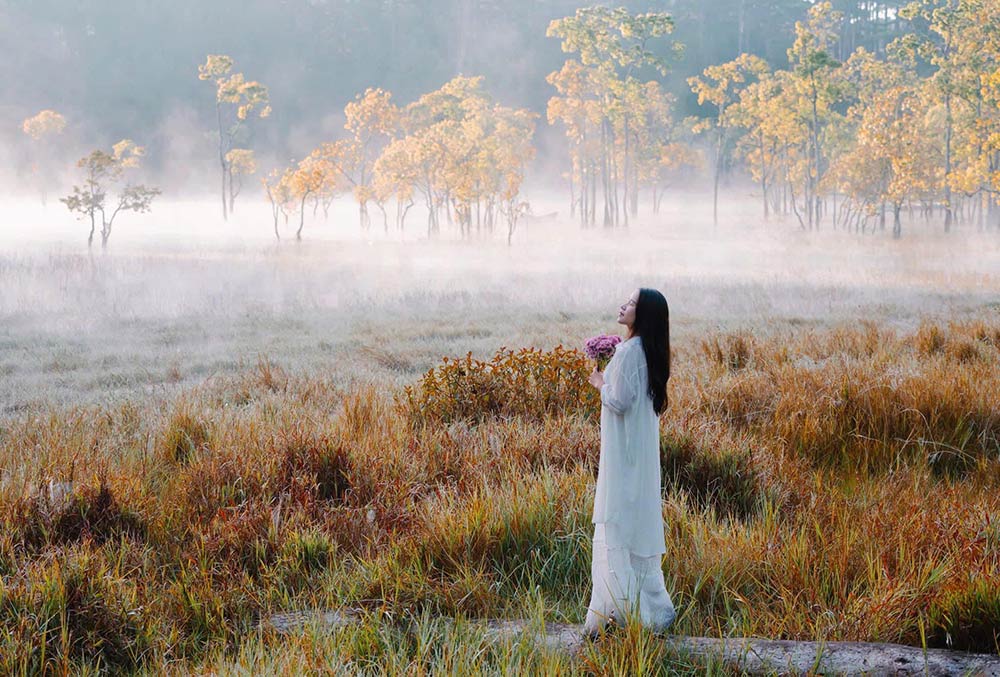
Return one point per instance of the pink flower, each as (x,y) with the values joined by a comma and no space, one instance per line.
(601,347)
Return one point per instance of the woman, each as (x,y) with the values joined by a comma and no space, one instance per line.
(628,517)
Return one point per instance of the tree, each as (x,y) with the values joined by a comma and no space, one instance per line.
(759,146)
(102,171)
(946,45)
(372,119)
(278,188)
(241,162)
(235,100)
(815,87)
(314,177)
(508,152)
(460,151)
(721,86)
(894,156)
(395,177)
(612,45)
(42,128)
(576,107)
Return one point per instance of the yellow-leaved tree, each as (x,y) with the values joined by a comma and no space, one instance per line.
(278,188)
(895,155)
(241,162)
(236,99)
(721,87)
(43,128)
(103,172)
(595,101)
(372,120)
(463,153)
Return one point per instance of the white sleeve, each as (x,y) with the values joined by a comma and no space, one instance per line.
(620,392)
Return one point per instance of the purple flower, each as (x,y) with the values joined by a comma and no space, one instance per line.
(602,347)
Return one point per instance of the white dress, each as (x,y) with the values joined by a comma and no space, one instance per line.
(628,517)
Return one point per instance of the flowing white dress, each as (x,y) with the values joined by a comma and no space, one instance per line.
(628,517)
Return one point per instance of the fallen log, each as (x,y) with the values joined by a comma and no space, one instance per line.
(749,655)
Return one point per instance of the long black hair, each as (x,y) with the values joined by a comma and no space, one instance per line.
(652,325)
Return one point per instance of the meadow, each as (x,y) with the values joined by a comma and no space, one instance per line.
(194,439)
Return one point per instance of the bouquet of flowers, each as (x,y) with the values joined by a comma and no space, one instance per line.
(601,348)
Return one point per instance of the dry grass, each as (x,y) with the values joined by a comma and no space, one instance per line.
(836,484)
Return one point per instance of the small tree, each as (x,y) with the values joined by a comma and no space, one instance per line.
(721,86)
(372,119)
(42,128)
(101,172)
(241,162)
(312,178)
(278,186)
(242,98)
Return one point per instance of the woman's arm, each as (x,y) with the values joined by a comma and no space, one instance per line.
(620,392)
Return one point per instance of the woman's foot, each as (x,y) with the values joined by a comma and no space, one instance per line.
(593,633)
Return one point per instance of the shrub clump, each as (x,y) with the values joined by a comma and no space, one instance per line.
(930,339)
(528,383)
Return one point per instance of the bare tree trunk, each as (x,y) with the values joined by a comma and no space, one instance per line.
(302,217)
(947,162)
(625,176)
(232,189)
(605,173)
(715,182)
(222,160)
(572,191)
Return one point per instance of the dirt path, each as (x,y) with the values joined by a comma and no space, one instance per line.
(743,654)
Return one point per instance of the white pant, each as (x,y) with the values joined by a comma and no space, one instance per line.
(622,581)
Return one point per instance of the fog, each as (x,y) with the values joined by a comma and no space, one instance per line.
(180,296)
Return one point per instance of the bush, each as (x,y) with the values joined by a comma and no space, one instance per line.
(313,469)
(528,383)
(930,339)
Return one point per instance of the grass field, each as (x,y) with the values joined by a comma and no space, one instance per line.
(238,436)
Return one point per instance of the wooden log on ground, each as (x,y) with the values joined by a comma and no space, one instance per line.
(743,654)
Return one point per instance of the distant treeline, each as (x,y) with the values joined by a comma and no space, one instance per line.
(833,131)
(117,68)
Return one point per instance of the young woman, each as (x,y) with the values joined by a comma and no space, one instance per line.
(628,517)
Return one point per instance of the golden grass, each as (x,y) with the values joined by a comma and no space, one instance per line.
(837,485)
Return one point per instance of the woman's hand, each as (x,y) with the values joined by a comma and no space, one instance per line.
(596,378)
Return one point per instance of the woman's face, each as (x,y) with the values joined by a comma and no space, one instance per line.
(626,313)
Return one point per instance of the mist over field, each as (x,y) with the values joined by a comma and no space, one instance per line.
(183,296)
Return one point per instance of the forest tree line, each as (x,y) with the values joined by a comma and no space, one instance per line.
(848,137)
